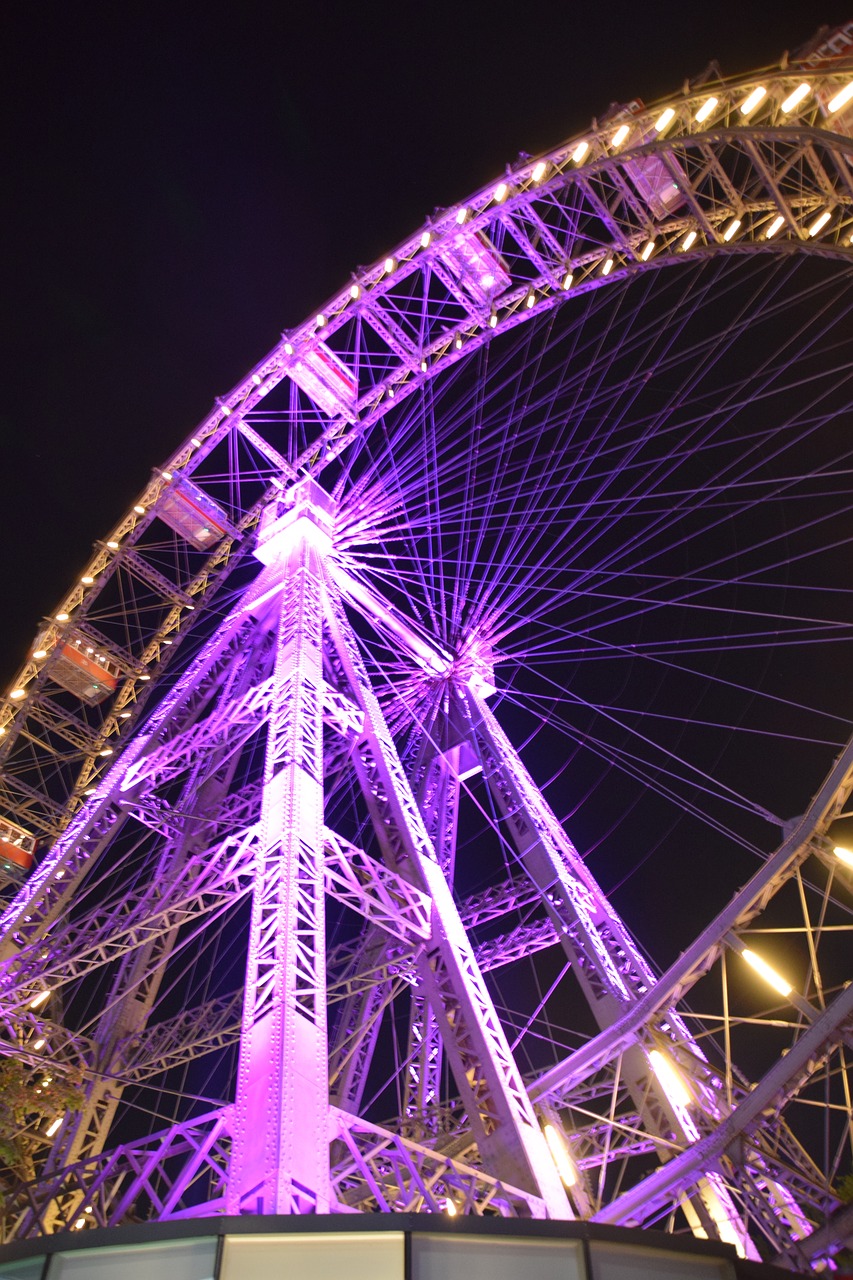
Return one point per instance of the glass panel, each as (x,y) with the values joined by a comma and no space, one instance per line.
(26,1269)
(495,1258)
(634,1262)
(339,1255)
(177,1259)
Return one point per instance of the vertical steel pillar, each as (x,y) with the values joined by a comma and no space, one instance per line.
(436,786)
(281,1146)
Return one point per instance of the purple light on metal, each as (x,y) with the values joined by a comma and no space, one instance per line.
(312,878)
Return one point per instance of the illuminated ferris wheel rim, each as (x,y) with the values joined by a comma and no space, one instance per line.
(756,108)
(654,159)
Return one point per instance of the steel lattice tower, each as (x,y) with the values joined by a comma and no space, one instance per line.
(289,848)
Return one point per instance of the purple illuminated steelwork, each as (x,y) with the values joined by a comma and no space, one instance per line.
(270,898)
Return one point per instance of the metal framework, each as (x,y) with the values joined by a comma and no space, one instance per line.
(305,920)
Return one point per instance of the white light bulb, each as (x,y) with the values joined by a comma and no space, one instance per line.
(841,98)
(748,106)
(664,119)
(769,974)
(794,99)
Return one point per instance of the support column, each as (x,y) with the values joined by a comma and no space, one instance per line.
(281,1146)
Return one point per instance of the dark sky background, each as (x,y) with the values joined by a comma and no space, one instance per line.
(182,182)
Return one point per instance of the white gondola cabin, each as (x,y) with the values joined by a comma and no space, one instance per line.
(476,264)
(83,668)
(187,509)
(325,378)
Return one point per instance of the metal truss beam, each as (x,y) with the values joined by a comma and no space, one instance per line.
(188,1035)
(697,959)
(384,1172)
(485,1072)
(206,882)
(781,1083)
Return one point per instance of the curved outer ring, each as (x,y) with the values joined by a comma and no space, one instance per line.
(611,234)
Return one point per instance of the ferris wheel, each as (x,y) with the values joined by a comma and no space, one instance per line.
(432,794)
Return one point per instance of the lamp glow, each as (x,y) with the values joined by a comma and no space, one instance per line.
(620,135)
(354,291)
(580,151)
(62,617)
(462,216)
(39,1044)
(689,240)
(770,976)
(648,250)
(52,1127)
(607,268)
(732,229)
(500,192)
(17,694)
(664,119)
(87,580)
(539,171)
(794,99)
(841,98)
(819,223)
(39,999)
(567,281)
(493,321)
(560,1156)
(706,109)
(749,104)
(40,653)
(775,226)
(673,1085)
(844,855)
(450,1208)
(195,440)
(140,510)
(425,239)
(320,321)
(389,264)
